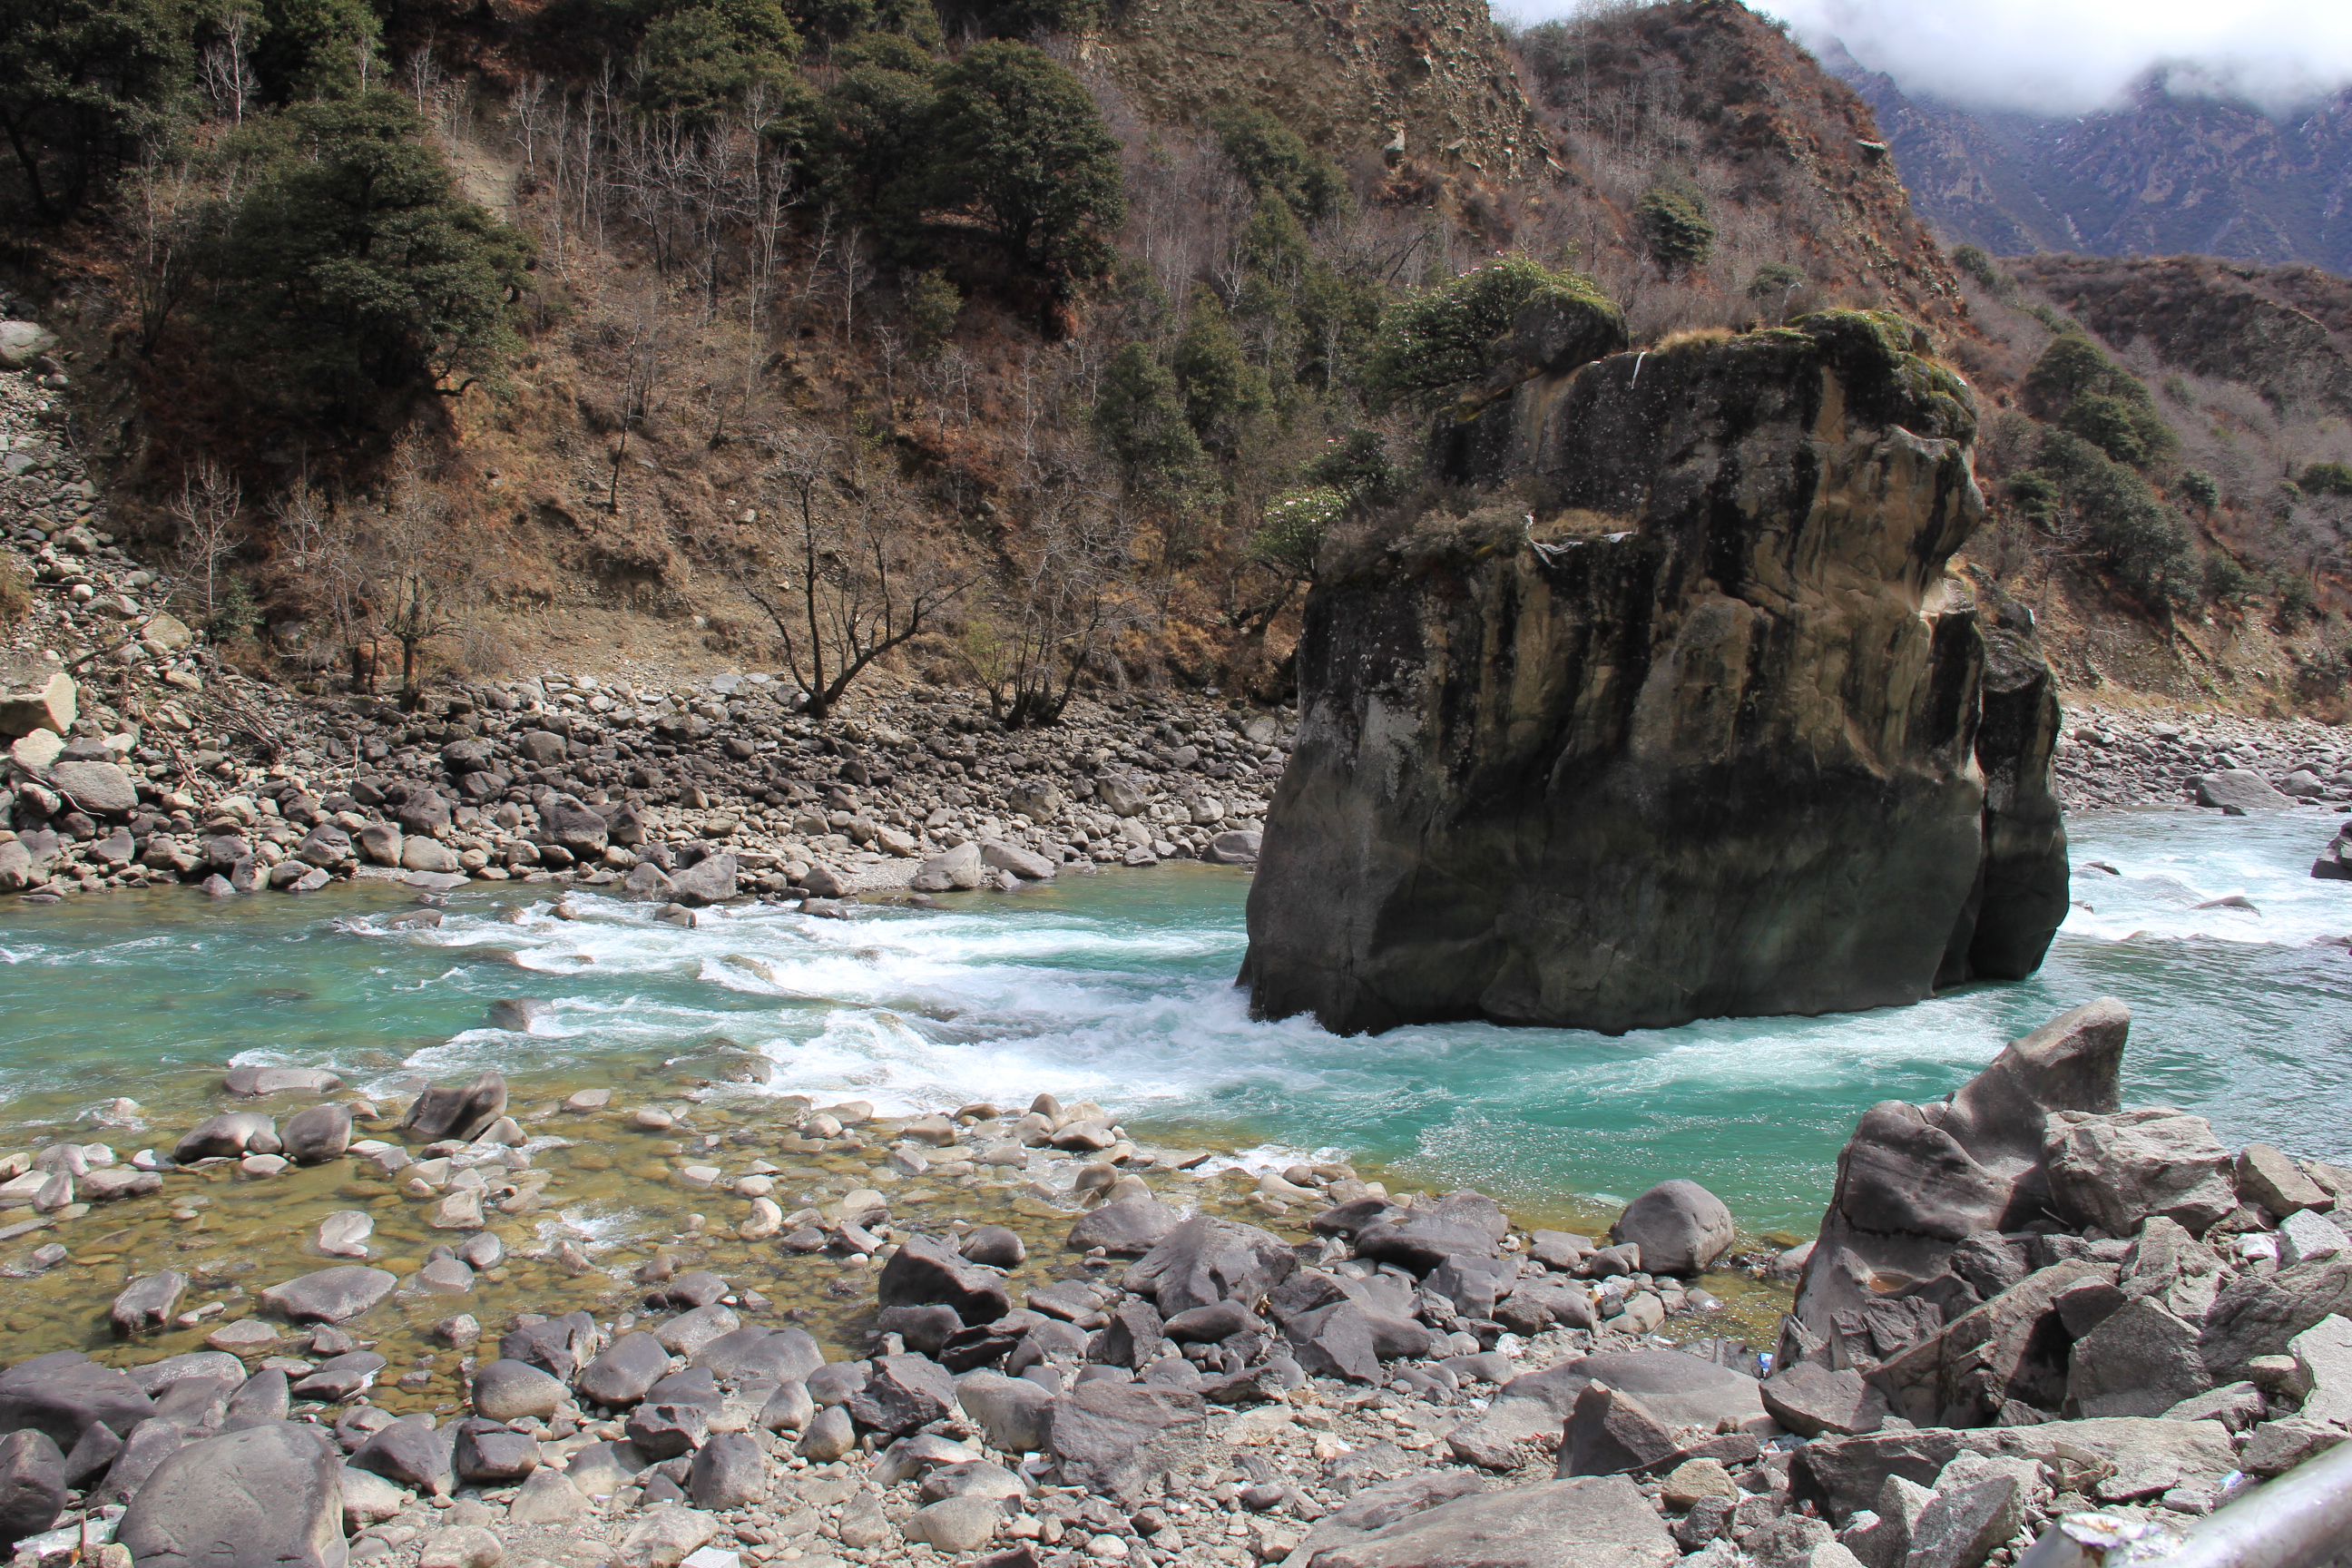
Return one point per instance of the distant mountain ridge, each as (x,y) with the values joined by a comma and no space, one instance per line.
(2165,173)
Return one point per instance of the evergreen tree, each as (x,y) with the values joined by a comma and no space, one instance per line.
(1275,161)
(1140,417)
(314,48)
(871,149)
(354,266)
(1018,142)
(700,61)
(82,83)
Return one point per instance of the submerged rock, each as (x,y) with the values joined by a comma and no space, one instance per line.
(1716,736)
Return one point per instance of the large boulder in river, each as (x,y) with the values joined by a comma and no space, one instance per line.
(2240,790)
(1916,1181)
(1706,735)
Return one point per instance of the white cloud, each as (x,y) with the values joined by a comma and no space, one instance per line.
(2069,57)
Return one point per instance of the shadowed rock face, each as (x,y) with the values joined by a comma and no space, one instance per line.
(1711,737)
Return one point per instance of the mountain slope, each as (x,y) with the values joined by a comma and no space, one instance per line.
(2167,172)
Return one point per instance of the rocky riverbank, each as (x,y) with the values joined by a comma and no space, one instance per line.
(136,757)
(2134,757)
(2070,1304)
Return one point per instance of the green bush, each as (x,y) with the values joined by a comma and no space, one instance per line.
(1775,282)
(1672,218)
(2081,390)
(1435,340)
(2326,479)
(2226,581)
(354,266)
(1973,260)
(2070,366)
(1020,18)
(2036,498)
(2202,490)
(2107,424)
(932,306)
(916,20)
(82,84)
(314,48)
(2291,591)
(871,141)
(1274,160)
(833,20)
(1018,142)
(1294,528)
(1357,466)
(2146,545)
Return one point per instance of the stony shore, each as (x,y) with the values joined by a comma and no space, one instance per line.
(2134,757)
(178,768)
(1157,1362)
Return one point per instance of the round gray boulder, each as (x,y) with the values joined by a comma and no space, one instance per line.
(1680,1227)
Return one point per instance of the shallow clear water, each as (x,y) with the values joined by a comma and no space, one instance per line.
(1117,988)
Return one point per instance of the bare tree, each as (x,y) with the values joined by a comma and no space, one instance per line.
(417,574)
(323,557)
(850,571)
(207,509)
(225,72)
(169,225)
(1065,598)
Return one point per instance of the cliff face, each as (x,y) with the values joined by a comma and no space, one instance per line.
(1700,730)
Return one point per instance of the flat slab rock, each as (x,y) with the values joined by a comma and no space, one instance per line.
(2150,1456)
(330,1295)
(1680,1390)
(1595,1521)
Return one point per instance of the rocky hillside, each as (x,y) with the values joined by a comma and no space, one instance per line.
(1095,442)
(2284,332)
(2168,172)
(1427,81)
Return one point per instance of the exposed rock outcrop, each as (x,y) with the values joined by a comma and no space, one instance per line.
(1692,723)
(2025,1248)
(1916,1182)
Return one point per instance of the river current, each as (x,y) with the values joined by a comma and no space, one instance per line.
(1119,988)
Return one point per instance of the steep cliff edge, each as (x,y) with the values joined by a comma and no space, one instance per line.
(1688,722)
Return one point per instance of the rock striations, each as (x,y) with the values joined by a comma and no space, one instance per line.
(1689,722)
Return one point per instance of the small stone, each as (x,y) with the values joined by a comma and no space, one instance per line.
(1697,1479)
(829,1436)
(955,1524)
(246,1336)
(461,1549)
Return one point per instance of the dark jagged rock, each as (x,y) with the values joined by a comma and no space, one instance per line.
(1708,739)
(924,1272)
(1916,1182)
(1203,1261)
(459,1111)
(32,1485)
(64,1392)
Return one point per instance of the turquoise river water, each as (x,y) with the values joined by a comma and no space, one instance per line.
(1117,988)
